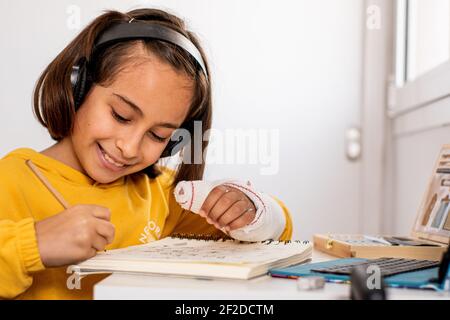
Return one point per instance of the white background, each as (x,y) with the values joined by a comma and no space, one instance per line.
(292,66)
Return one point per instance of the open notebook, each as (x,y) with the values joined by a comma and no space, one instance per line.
(199,256)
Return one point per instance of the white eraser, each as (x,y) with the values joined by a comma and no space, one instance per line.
(310,283)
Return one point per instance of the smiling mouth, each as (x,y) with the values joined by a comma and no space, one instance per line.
(110,160)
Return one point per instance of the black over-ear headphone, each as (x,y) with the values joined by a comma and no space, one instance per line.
(81,79)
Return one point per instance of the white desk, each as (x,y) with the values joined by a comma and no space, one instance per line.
(128,286)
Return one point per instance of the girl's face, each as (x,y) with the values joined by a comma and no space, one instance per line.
(124,127)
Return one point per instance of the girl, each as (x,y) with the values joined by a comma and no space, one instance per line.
(112,107)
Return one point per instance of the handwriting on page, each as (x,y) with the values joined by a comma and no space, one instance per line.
(170,249)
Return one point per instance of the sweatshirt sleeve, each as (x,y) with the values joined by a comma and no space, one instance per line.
(19,256)
(288,229)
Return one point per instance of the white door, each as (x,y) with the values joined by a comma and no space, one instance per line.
(292,66)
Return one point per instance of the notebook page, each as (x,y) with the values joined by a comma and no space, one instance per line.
(190,250)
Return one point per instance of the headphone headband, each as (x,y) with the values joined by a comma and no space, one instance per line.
(81,79)
(135,30)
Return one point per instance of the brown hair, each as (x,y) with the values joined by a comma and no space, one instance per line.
(53,101)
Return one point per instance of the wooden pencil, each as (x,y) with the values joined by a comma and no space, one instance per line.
(44,180)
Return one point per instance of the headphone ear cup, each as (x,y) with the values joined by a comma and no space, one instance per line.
(80,82)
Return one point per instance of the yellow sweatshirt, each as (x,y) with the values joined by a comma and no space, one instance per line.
(142,210)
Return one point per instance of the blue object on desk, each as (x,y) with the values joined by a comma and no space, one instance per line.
(415,279)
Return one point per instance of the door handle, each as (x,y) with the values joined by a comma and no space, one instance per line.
(353,143)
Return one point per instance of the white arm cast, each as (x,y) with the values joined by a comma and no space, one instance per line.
(269,221)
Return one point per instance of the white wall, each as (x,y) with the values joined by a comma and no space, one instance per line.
(294,66)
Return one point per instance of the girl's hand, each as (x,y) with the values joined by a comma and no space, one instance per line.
(228,208)
(74,235)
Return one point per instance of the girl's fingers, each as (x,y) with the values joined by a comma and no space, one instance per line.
(212,199)
(99,243)
(92,253)
(106,230)
(235,211)
(225,203)
(227,207)
(101,213)
(242,220)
